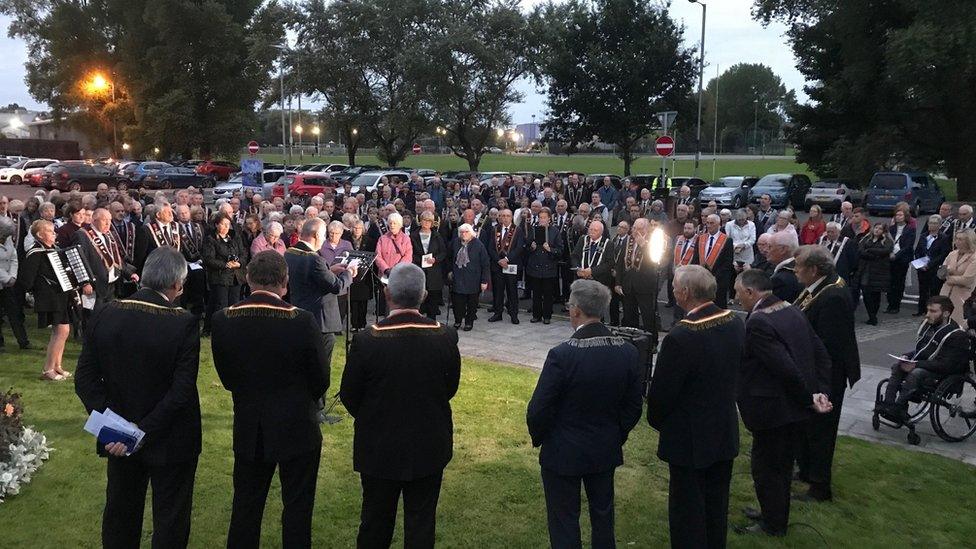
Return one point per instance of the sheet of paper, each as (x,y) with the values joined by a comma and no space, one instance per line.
(921,262)
(98,420)
(88,301)
(354,263)
(195,266)
(511,269)
(902,359)
(427,261)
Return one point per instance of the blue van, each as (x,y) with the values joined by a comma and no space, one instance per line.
(918,189)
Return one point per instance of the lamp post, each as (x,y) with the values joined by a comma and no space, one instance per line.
(316,132)
(701,76)
(298,130)
(98,85)
(755,127)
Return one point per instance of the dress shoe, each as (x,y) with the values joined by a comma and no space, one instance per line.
(752,513)
(757,528)
(872,322)
(495,317)
(515,320)
(534,319)
(546,321)
(457,325)
(468,327)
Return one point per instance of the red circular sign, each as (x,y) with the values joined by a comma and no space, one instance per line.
(664,145)
(416,148)
(252,147)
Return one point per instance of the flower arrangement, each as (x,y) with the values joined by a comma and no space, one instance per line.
(22,449)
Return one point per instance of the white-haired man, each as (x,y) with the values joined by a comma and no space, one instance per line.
(782,246)
(715,251)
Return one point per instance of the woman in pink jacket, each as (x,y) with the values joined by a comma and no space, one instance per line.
(269,239)
(393,247)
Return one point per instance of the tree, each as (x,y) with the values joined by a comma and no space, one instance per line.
(610,66)
(739,89)
(891,85)
(383,76)
(479,56)
(176,83)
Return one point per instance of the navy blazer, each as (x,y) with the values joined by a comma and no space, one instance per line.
(906,243)
(313,287)
(937,253)
(692,396)
(469,279)
(538,262)
(515,251)
(585,403)
(784,364)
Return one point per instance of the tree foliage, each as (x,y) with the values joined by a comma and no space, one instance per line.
(186,74)
(610,66)
(891,83)
(739,88)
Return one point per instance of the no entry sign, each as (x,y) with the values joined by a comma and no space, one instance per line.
(416,148)
(252,147)
(664,145)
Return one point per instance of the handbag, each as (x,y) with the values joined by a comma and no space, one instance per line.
(943,272)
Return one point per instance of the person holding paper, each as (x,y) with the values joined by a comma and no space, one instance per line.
(103,256)
(902,231)
(429,253)
(505,243)
(930,253)
(150,381)
(276,384)
(942,349)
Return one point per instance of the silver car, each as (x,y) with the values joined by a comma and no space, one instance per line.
(731,191)
(830,193)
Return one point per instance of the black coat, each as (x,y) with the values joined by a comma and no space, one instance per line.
(276,379)
(216,253)
(313,287)
(830,310)
(90,255)
(692,395)
(873,271)
(585,403)
(539,263)
(784,364)
(936,253)
(601,272)
(146,243)
(400,377)
(36,275)
(906,244)
(785,284)
(149,377)
(363,288)
(468,280)
(845,261)
(435,273)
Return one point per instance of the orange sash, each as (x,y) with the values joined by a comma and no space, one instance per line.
(685,259)
(709,261)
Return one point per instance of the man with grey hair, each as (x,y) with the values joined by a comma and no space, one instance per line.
(782,246)
(400,377)
(841,249)
(964,219)
(151,381)
(585,403)
(715,251)
(691,402)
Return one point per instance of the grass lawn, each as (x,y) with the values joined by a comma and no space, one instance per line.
(492,495)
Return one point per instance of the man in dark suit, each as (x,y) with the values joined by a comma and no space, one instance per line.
(587,400)
(312,284)
(692,403)
(400,376)
(505,244)
(842,249)
(276,383)
(784,373)
(592,258)
(935,245)
(828,306)
(636,281)
(782,246)
(102,255)
(150,379)
(163,232)
(715,251)
(765,215)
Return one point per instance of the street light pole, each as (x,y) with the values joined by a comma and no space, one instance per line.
(715,130)
(755,127)
(701,76)
(281,77)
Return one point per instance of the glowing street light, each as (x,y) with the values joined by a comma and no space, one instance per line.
(16,123)
(355,131)
(156,150)
(98,85)
(125,146)
(316,132)
(657,245)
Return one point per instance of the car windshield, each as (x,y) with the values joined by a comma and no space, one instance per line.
(19,165)
(728,182)
(890,181)
(773,181)
(363,180)
(236,179)
(826,185)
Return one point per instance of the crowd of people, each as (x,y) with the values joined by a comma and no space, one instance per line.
(250,265)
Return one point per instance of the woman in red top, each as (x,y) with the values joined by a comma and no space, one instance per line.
(813,228)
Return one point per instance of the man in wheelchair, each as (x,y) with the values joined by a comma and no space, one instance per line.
(942,349)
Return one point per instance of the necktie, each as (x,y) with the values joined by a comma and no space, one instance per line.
(166,234)
(504,230)
(711,240)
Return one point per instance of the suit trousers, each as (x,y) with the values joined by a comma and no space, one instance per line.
(504,291)
(543,291)
(928,285)
(252,479)
(896,289)
(566,279)
(639,311)
(125,500)
(563,508)
(772,473)
(465,307)
(14,311)
(195,292)
(698,505)
(815,456)
(379,512)
(615,302)
(220,297)
(360,308)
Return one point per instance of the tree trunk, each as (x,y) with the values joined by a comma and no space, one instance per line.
(351,147)
(964,170)
(626,154)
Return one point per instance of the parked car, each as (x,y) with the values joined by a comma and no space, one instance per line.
(177,177)
(486,176)
(830,193)
(731,191)
(460,175)
(137,171)
(82,176)
(529,177)
(217,169)
(887,189)
(784,189)
(35,176)
(351,172)
(329,168)
(268,178)
(369,181)
(14,175)
(565,176)
(303,184)
(596,180)
(696,184)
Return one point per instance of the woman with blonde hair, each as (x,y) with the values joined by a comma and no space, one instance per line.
(51,304)
(960,273)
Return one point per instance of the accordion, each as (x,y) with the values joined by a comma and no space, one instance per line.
(69,268)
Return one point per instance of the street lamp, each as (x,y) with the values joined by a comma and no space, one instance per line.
(125,147)
(701,76)
(301,150)
(316,132)
(156,151)
(98,85)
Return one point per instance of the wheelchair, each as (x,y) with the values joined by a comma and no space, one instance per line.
(949,402)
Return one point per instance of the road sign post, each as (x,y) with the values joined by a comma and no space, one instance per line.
(666,118)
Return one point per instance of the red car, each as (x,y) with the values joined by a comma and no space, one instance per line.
(34,177)
(303,184)
(217,169)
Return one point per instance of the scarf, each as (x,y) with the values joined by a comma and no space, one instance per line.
(462,256)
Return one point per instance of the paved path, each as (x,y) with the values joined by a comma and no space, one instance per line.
(895,333)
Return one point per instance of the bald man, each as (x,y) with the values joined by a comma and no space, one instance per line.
(103,256)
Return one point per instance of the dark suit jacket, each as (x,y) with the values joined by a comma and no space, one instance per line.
(276,379)
(602,271)
(538,262)
(89,254)
(830,310)
(313,287)
(398,383)
(585,403)
(906,244)
(149,377)
(515,251)
(435,274)
(692,395)
(468,280)
(784,364)
(642,281)
(937,253)
(785,284)
(846,264)
(723,263)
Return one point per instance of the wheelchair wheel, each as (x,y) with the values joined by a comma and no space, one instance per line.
(875,421)
(954,408)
